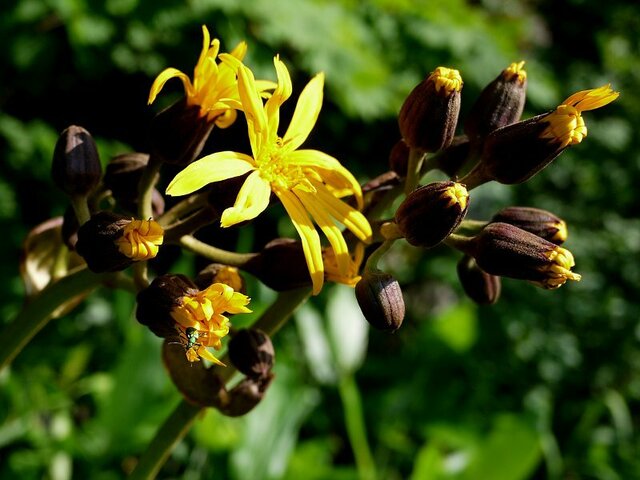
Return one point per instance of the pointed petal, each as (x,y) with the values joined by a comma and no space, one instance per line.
(306,113)
(308,235)
(207,355)
(240,51)
(341,178)
(345,214)
(328,227)
(278,97)
(253,109)
(209,169)
(593,98)
(161,79)
(251,201)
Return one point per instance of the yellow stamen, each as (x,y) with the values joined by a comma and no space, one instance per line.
(558,270)
(515,71)
(140,239)
(457,194)
(447,80)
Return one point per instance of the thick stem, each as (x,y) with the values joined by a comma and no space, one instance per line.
(356,430)
(179,422)
(183,208)
(214,254)
(81,208)
(37,313)
(460,242)
(148,181)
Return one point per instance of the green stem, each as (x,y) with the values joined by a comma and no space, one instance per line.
(354,421)
(148,180)
(174,428)
(215,254)
(81,208)
(460,242)
(183,208)
(376,256)
(37,313)
(179,422)
(416,157)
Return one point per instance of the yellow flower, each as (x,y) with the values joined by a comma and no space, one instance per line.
(332,271)
(140,239)
(566,124)
(201,322)
(307,182)
(214,88)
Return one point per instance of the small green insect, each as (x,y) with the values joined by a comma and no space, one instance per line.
(192,336)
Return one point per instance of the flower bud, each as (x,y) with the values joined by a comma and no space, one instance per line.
(481,287)
(76,168)
(500,103)
(219,273)
(508,251)
(380,298)
(252,353)
(429,115)
(280,265)
(110,242)
(122,177)
(430,213)
(534,220)
(399,158)
(156,302)
(179,132)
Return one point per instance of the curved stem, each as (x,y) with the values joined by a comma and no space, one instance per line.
(356,430)
(37,313)
(179,422)
(183,208)
(374,258)
(215,254)
(148,180)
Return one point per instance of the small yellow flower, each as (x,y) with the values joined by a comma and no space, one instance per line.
(558,270)
(214,88)
(201,321)
(446,80)
(566,125)
(332,271)
(140,239)
(307,182)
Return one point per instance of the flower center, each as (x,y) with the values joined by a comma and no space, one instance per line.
(566,126)
(275,169)
(447,80)
(140,239)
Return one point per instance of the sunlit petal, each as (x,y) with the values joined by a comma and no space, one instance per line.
(161,79)
(251,201)
(209,169)
(278,97)
(306,113)
(308,235)
(351,218)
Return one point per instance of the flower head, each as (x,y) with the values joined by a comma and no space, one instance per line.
(140,239)
(309,183)
(566,125)
(201,322)
(214,88)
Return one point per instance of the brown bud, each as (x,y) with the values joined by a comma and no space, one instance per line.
(280,265)
(430,213)
(534,220)
(399,158)
(481,287)
(380,298)
(508,251)
(500,103)
(122,176)
(252,353)
(179,133)
(76,168)
(97,242)
(429,115)
(155,303)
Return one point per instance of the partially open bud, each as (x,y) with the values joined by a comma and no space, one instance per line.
(220,273)
(252,353)
(429,115)
(430,213)
(481,287)
(122,177)
(534,220)
(516,152)
(380,298)
(508,251)
(179,132)
(76,168)
(280,265)
(110,242)
(500,103)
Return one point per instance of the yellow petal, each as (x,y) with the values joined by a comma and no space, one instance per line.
(251,201)
(308,235)
(306,113)
(278,97)
(209,169)
(225,119)
(207,355)
(592,98)
(240,51)
(345,214)
(317,159)
(253,109)
(328,227)
(161,79)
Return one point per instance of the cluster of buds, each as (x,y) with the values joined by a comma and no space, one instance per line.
(517,242)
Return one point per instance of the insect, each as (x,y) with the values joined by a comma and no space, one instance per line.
(189,340)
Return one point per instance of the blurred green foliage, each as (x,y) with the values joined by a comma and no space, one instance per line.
(541,385)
